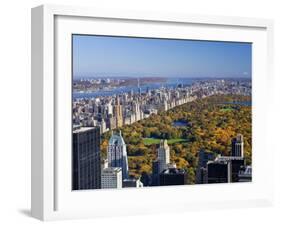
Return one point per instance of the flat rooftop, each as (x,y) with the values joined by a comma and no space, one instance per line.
(82,129)
(112,170)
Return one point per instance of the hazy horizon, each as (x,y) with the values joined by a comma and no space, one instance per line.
(167,77)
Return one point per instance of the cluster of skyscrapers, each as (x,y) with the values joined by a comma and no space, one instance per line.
(94,116)
(115,111)
(224,169)
(111,112)
(89,172)
(115,170)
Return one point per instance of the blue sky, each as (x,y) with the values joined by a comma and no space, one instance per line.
(120,56)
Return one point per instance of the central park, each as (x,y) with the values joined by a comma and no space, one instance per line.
(206,123)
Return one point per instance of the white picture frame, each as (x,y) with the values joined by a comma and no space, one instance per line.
(52,197)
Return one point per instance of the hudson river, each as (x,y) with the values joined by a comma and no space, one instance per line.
(170,83)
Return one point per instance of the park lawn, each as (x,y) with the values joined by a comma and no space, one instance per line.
(226,109)
(150,141)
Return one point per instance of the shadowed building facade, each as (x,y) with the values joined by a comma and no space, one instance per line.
(172,176)
(225,169)
(237,146)
(201,171)
(86,162)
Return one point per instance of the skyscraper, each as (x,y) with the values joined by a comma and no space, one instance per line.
(201,171)
(163,154)
(155,173)
(117,154)
(225,169)
(118,113)
(86,163)
(237,146)
(219,172)
(136,110)
(111,177)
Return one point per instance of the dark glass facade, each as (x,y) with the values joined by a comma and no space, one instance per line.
(173,176)
(218,172)
(86,160)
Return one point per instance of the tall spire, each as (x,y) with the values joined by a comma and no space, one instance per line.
(117,154)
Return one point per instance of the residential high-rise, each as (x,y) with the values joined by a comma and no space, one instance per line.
(118,113)
(111,177)
(86,162)
(117,154)
(111,122)
(237,146)
(136,110)
(163,155)
(102,126)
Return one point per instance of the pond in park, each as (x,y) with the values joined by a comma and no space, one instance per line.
(179,123)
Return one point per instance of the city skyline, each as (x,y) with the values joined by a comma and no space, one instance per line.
(108,56)
(160,112)
(154,137)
